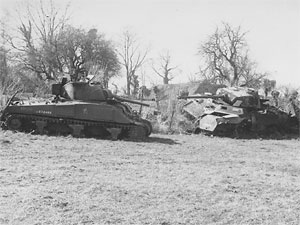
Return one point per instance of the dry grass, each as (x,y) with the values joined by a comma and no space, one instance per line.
(165,180)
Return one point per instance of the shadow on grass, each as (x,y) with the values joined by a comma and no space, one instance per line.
(161,140)
(255,136)
(274,137)
(151,139)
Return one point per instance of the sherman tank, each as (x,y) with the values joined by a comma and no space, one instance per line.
(79,109)
(234,111)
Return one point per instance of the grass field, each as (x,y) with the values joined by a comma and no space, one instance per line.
(176,179)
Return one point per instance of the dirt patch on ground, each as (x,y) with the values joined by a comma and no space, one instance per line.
(177,179)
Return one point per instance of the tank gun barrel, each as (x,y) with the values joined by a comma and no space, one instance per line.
(200,96)
(130,101)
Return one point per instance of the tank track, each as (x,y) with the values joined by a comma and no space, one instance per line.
(140,130)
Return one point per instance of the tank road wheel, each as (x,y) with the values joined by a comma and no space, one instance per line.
(13,123)
(224,130)
(137,132)
(40,125)
(77,130)
(96,132)
(114,132)
(58,129)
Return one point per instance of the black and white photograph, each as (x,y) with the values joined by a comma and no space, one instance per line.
(158,112)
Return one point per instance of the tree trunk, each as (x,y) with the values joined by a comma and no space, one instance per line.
(166,80)
(128,84)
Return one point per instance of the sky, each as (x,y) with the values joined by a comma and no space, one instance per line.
(181,26)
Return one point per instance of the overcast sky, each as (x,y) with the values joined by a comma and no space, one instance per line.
(182,25)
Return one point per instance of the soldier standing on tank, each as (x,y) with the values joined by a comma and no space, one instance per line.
(275,95)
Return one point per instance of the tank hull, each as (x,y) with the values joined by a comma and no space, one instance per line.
(101,119)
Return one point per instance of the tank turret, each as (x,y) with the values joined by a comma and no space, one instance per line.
(235,96)
(88,92)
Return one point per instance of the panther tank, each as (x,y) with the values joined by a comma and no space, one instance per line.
(79,109)
(234,111)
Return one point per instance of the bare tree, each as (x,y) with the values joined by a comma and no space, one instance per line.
(165,70)
(132,58)
(226,57)
(39,44)
(88,52)
(50,47)
(249,76)
(9,82)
